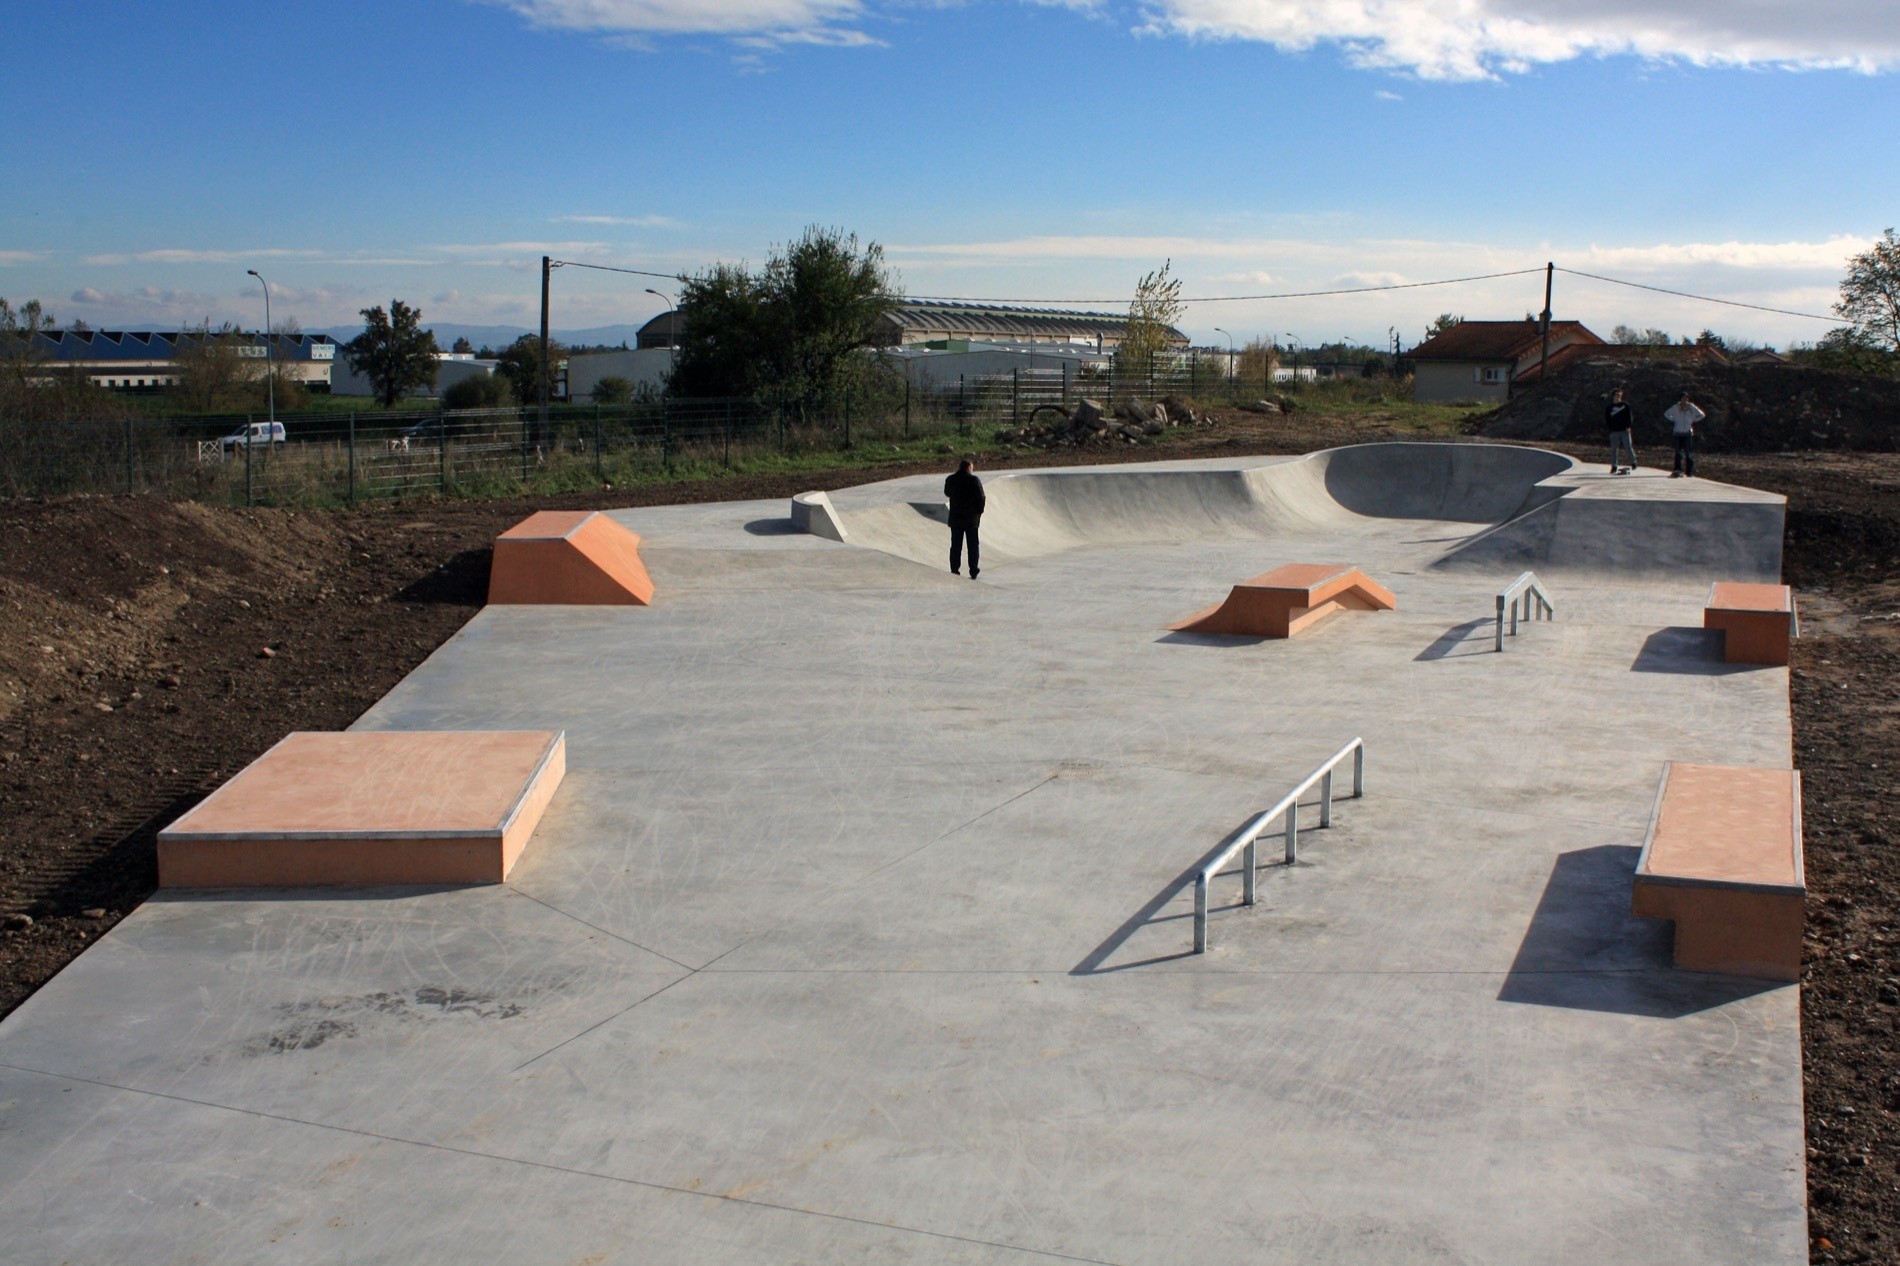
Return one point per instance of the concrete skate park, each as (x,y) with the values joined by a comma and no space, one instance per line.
(861,926)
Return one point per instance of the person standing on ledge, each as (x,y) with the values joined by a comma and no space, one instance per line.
(964,491)
(1683,416)
(1618,419)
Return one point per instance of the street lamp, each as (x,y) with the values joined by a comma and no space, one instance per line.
(1294,339)
(1230,350)
(671,306)
(270,355)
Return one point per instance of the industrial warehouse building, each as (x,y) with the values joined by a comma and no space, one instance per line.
(143,360)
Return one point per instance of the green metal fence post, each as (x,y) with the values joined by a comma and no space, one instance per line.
(249,497)
(352,484)
(1015,397)
(666,433)
(442,454)
(906,408)
(963,407)
(847,419)
(600,470)
(128,455)
(727,450)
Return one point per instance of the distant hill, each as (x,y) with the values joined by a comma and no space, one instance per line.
(499,336)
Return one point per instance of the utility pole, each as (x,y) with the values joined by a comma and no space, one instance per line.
(1543,366)
(547,370)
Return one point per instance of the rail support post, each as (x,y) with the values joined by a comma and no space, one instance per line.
(1292,834)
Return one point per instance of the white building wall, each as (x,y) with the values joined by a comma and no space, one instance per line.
(645,367)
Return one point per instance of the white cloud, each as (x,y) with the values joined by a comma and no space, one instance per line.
(770,21)
(1830,255)
(20,257)
(1384,95)
(625,221)
(1476,39)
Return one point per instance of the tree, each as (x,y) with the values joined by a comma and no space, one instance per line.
(215,370)
(393,351)
(1651,337)
(463,347)
(791,332)
(478,391)
(1444,321)
(1870,293)
(1151,316)
(613,389)
(520,366)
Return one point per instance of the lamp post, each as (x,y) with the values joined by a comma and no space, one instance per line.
(671,306)
(1294,340)
(1230,351)
(270,357)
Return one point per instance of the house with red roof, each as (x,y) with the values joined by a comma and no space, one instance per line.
(1484,360)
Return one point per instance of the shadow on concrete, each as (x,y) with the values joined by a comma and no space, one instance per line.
(337,892)
(1452,643)
(1150,914)
(1212,639)
(1584,951)
(773,527)
(1682,649)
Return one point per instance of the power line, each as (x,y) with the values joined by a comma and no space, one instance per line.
(1684,294)
(608,268)
(1289,294)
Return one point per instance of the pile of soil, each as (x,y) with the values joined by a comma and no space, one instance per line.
(150,649)
(1752,408)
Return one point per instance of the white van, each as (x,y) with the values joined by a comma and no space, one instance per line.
(260,433)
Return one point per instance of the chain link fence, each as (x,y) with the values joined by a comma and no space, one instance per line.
(337,459)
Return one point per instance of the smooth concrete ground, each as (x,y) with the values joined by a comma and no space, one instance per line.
(858,933)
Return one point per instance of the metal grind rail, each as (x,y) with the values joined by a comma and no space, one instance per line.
(1527,592)
(1288,807)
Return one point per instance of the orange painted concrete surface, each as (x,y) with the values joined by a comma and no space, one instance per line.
(579,557)
(1290,598)
(421,807)
(1724,861)
(1758,622)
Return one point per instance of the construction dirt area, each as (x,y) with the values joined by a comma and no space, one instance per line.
(151,649)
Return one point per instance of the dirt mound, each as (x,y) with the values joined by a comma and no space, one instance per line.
(1751,408)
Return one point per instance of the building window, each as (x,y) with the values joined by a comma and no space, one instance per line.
(1491,374)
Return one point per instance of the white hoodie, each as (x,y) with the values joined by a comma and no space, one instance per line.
(1683,416)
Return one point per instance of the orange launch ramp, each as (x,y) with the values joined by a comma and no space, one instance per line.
(1289,599)
(1757,621)
(1723,860)
(580,557)
(401,807)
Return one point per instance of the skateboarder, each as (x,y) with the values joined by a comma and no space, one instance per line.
(1683,416)
(964,491)
(1617,420)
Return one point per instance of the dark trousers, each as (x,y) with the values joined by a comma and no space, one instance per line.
(1685,454)
(957,536)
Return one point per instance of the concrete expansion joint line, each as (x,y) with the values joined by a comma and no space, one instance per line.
(550,1167)
(690,972)
(607,932)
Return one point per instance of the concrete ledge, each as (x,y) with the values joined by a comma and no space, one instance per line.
(424,807)
(1723,859)
(579,557)
(813,512)
(1758,622)
(1289,599)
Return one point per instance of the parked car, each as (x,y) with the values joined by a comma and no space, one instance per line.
(258,433)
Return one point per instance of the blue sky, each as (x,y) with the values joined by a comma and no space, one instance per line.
(1010,149)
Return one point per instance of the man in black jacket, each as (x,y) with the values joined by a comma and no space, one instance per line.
(1619,420)
(964,491)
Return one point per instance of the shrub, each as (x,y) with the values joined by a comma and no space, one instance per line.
(613,390)
(482,391)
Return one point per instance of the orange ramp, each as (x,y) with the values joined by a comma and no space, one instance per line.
(420,807)
(1289,599)
(581,557)
(1723,860)
(1757,621)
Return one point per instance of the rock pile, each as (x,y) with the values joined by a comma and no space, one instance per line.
(1133,421)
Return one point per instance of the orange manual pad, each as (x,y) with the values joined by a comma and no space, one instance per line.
(1723,859)
(580,557)
(419,807)
(1757,621)
(1288,599)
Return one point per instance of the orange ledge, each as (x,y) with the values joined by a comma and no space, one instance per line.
(1757,621)
(580,557)
(1289,599)
(426,807)
(1723,859)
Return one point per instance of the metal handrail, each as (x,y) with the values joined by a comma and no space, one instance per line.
(1289,806)
(1528,592)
